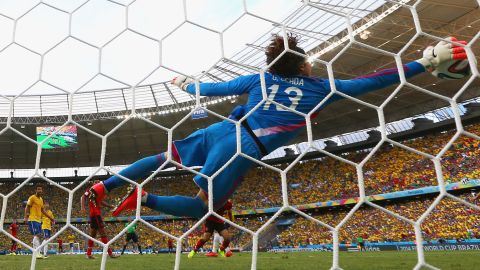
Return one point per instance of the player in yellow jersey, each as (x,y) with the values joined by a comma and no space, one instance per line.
(46,226)
(71,241)
(150,245)
(33,216)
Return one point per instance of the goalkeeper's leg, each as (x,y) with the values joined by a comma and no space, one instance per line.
(196,207)
(179,206)
(182,205)
(190,151)
(136,171)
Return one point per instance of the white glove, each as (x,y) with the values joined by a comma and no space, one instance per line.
(443,51)
(182,82)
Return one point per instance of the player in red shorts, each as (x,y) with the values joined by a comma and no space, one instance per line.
(215,224)
(60,246)
(96,222)
(13,232)
(170,245)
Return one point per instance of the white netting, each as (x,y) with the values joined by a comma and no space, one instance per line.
(66,248)
(349,17)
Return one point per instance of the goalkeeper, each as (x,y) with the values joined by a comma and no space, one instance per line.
(288,82)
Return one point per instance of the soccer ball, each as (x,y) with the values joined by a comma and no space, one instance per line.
(452,70)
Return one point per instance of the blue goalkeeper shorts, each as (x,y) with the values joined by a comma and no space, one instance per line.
(213,147)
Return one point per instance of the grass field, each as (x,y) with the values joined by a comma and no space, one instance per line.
(390,260)
(54,142)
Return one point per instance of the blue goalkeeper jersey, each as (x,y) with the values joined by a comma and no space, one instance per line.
(275,125)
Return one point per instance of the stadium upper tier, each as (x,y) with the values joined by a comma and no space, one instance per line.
(241,55)
(137,140)
(390,26)
(161,98)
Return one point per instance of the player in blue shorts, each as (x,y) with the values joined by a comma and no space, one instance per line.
(288,82)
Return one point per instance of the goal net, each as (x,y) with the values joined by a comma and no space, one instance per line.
(344,25)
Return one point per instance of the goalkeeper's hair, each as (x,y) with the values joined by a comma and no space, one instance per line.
(289,64)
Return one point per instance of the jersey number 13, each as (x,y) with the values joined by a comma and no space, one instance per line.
(289,90)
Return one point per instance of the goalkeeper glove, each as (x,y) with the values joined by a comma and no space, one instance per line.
(182,82)
(443,51)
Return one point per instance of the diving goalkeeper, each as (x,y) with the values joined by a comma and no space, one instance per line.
(288,82)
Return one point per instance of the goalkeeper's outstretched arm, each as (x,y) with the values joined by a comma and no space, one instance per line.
(377,80)
(432,57)
(237,86)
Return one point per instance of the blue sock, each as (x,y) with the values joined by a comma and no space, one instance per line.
(138,170)
(180,206)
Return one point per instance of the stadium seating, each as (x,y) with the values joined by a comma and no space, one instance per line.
(390,169)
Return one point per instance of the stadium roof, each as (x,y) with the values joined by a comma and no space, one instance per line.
(319,29)
(45,99)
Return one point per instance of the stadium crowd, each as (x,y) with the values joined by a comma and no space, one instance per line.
(390,169)
(450,220)
(158,241)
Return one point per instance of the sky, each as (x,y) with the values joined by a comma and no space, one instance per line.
(68,62)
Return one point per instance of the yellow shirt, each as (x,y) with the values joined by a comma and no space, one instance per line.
(46,222)
(36,205)
(71,238)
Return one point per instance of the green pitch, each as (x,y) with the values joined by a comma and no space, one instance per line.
(58,140)
(390,260)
